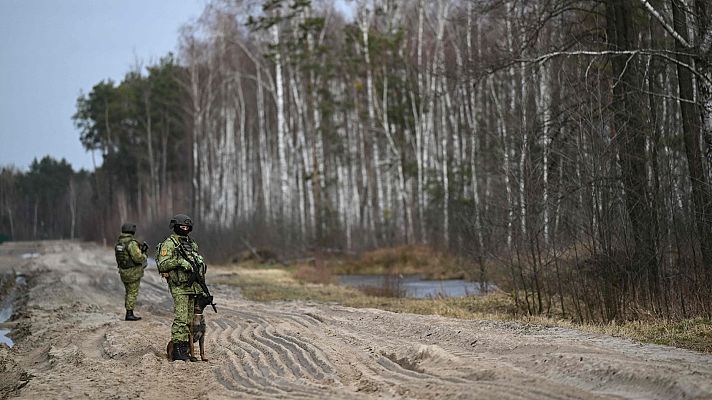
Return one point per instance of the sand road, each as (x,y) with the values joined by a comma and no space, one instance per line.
(72,343)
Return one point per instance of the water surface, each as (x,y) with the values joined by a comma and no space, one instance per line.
(6,310)
(414,286)
(5,315)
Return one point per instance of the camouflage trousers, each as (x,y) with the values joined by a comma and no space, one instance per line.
(183,317)
(131,277)
(131,294)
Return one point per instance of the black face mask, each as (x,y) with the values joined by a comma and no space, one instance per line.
(181,232)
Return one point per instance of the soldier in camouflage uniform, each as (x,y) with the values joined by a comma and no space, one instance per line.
(173,265)
(131,259)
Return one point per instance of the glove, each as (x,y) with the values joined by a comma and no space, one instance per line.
(185,265)
(144,247)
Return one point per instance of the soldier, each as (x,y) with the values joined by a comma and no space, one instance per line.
(174,266)
(131,259)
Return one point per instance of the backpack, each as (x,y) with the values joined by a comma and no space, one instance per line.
(123,257)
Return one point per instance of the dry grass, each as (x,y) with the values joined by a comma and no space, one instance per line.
(261,283)
(316,272)
(271,284)
(399,260)
(693,334)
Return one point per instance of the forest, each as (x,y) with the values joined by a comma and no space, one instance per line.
(562,149)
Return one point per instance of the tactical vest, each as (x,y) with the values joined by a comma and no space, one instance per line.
(123,257)
(186,243)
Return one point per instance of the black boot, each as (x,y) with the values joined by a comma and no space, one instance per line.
(180,351)
(131,317)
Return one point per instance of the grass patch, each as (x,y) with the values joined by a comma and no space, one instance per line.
(274,284)
(270,284)
(405,260)
(693,334)
(317,272)
(260,283)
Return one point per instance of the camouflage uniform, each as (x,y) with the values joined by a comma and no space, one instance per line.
(177,271)
(131,262)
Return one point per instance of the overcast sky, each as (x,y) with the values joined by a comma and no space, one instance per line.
(51,50)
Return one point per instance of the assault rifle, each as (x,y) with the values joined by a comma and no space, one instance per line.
(206,299)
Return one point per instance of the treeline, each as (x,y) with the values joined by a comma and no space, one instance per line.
(558,146)
(46,202)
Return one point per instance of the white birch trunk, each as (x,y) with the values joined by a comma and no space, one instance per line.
(364,25)
(228,171)
(153,176)
(301,140)
(433,84)
(445,180)
(474,123)
(317,165)
(504,135)
(420,125)
(353,171)
(281,133)
(197,112)
(244,187)
(545,110)
(265,157)
(344,204)
(523,156)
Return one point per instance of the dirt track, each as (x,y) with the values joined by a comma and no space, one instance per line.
(75,345)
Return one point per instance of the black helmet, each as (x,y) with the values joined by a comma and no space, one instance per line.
(128,228)
(181,224)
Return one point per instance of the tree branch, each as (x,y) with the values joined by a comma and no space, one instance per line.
(664,23)
(546,57)
(625,68)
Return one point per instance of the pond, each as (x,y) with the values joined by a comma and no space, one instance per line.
(413,286)
(6,310)
(5,314)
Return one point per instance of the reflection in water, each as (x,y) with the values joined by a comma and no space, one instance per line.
(4,339)
(6,311)
(414,286)
(5,315)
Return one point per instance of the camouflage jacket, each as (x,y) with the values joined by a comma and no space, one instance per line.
(128,252)
(169,260)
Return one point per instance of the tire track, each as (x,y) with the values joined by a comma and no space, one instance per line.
(289,355)
(376,367)
(319,367)
(281,363)
(305,320)
(283,356)
(292,351)
(270,354)
(254,366)
(317,356)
